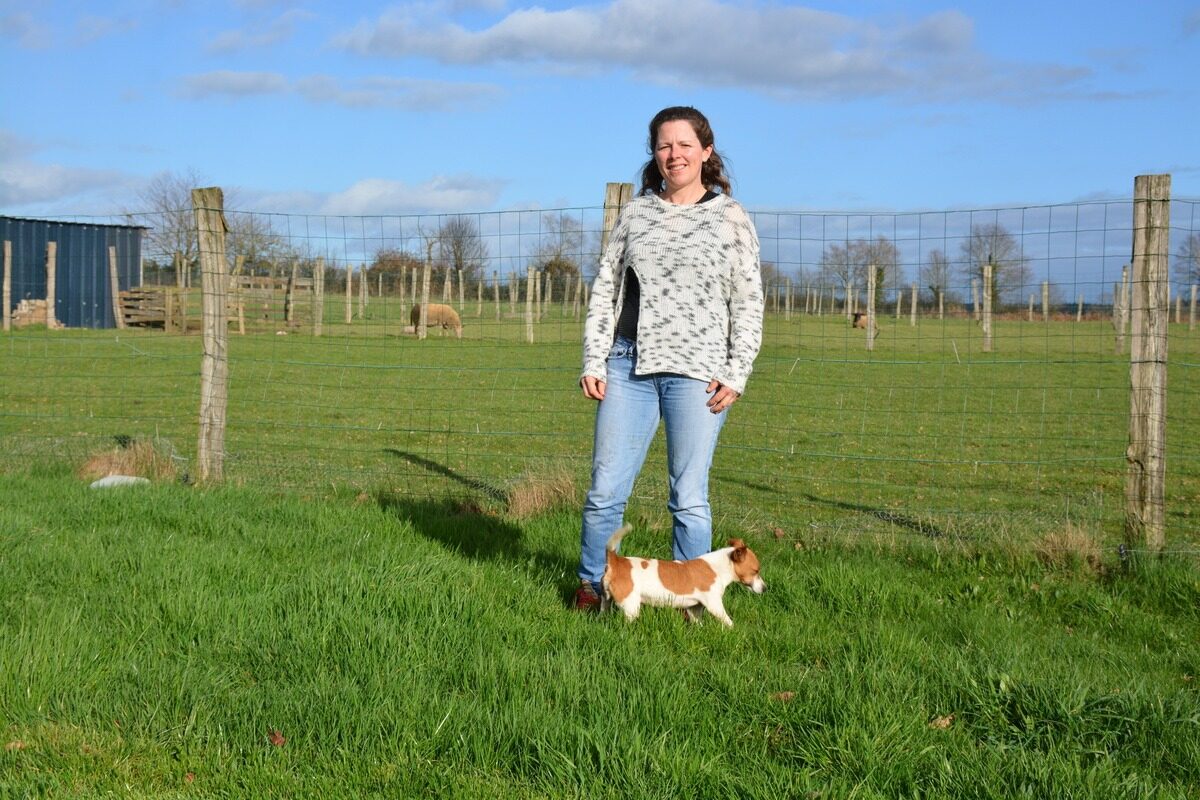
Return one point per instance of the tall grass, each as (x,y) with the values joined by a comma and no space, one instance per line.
(169,641)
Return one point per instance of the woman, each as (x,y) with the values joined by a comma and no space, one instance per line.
(673,327)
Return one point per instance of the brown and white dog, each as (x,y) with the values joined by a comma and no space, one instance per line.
(691,585)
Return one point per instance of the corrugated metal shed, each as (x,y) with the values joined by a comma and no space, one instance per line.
(83,295)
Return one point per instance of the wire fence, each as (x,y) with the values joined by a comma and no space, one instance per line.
(952,375)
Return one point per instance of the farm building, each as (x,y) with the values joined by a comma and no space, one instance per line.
(83,293)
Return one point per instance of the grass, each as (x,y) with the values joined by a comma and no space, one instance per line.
(924,436)
(169,641)
(373,602)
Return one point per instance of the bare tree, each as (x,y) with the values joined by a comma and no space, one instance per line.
(165,208)
(992,243)
(560,250)
(1187,261)
(881,255)
(850,264)
(935,274)
(460,247)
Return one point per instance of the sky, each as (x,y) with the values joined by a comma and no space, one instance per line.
(361,108)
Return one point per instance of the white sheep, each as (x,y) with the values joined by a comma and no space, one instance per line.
(438,315)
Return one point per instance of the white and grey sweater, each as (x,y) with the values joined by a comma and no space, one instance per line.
(701,306)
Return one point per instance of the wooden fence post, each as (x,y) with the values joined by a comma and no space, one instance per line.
(319,296)
(51,284)
(208,205)
(1145,457)
(941,304)
(6,295)
(1045,301)
(1192,310)
(496,292)
(975,310)
(529,271)
(114,284)
(985,319)
(349,293)
(616,195)
(912,309)
(426,276)
(871,308)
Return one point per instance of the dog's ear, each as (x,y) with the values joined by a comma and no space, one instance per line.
(739,550)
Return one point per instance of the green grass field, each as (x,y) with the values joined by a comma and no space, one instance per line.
(359,612)
(181,642)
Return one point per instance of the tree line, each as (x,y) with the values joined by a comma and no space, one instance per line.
(562,248)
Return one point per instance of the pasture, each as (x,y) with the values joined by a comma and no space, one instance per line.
(358,610)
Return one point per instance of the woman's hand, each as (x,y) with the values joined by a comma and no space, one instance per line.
(722,396)
(592,387)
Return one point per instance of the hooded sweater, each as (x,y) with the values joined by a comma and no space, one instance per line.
(701,305)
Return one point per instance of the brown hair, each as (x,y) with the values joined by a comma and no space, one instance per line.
(712,174)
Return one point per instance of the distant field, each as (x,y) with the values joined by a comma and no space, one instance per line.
(925,436)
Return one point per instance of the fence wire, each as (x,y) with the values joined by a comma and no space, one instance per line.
(952,408)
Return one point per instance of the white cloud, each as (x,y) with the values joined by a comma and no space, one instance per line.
(406,94)
(91,28)
(230,83)
(376,196)
(25,184)
(1191,23)
(786,51)
(27,32)
(278,30)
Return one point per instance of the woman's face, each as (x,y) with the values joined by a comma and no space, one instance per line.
(679,156)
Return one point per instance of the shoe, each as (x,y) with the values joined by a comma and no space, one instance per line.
(586,598)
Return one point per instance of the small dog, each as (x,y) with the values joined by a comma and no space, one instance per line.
(691,585)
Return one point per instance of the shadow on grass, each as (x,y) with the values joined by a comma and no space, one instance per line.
(464,526)
(474,484)
(885,515)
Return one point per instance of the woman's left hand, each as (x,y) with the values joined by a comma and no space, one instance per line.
(722,396)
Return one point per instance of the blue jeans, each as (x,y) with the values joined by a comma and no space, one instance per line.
(626,420)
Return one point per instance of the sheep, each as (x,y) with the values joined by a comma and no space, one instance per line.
(438,315)
(860,321)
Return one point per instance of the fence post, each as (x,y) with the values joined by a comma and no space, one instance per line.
(975,310)
(1192,310)
(529,271)
(52,283)
(1045,301)
(616,195)
(423,316)
(207,205)
(871,308)
(985,320)
(114,284)
(319,296)
(1146,464)
(912,309)
(6,299)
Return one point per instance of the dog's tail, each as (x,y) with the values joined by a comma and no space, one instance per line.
(614,541)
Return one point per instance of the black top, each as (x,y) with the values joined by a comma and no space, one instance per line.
(627,322)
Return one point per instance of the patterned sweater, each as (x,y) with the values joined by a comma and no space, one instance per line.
(701,304)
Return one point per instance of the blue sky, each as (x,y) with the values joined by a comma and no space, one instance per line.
(479,105)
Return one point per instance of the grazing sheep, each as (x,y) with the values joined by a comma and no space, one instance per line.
(438,315)
(860,321)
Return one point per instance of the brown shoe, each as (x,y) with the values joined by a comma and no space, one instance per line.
(586,598)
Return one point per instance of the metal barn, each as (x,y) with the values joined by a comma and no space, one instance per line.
(83,293)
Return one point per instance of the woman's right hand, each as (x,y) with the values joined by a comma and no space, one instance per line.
(592,387)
